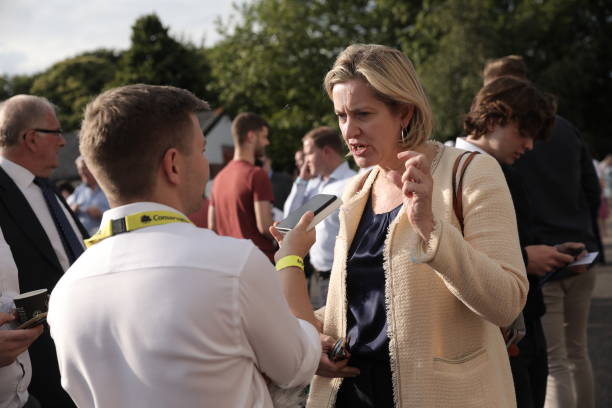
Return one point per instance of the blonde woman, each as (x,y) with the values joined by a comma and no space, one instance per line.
(420,302)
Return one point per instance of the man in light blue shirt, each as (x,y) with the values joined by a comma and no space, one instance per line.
(88,200)
(324,172)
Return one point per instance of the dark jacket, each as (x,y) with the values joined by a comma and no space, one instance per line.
(563,188)
(38,268)
(534,307)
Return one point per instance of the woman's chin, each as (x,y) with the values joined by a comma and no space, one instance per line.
(364,162)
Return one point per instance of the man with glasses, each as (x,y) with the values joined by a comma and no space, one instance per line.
(44,236)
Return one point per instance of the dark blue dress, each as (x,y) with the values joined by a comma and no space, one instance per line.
(366,317)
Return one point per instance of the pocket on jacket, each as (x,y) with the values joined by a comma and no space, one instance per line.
(462,382)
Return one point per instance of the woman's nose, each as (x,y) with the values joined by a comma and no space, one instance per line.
(350,128)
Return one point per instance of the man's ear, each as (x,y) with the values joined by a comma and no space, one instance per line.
(250,136)
(171,166)
(30,141)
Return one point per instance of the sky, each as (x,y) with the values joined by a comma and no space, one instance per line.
(35,34)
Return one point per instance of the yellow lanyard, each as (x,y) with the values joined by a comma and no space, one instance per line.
(133,222)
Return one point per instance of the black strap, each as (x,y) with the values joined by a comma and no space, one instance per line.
(458,186)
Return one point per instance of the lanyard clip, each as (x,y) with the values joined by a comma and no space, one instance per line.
(118,226)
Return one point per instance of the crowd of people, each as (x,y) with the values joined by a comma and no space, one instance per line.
(417,292)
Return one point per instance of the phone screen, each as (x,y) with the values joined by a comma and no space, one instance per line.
(316,204)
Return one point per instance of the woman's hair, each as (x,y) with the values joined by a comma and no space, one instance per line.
(394,81)
(510,99)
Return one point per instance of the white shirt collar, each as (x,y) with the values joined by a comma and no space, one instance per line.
(462,143)
(20,175)
(133,208)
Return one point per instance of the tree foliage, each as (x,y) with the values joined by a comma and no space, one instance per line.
(274,61)
(14,85)
(156,58)
(72,83)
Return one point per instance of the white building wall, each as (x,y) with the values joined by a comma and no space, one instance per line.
(219,136)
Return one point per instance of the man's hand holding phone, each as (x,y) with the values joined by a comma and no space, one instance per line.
(15,342)
(330,368)
(578,251)
(297,241)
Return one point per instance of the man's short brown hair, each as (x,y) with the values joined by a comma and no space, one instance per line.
(510,65)
(509,99)
(127,130)
(244,123)
(325,136)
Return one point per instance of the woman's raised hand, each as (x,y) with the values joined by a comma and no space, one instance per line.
(416,184)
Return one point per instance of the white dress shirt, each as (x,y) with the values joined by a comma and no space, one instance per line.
(24,179)
(322,252)
(462,143)
(15,377)
(176,316)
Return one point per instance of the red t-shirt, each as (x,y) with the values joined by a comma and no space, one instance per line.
(200,217)
(235,190)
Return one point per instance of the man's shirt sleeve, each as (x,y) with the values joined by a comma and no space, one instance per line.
(287,349)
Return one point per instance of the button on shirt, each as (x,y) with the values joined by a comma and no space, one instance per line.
(175,315)
(24,179)
(322,252)
(15,377)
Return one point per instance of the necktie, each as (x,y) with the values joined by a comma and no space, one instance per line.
(72,244)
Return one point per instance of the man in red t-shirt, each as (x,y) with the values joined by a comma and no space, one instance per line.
(241,202)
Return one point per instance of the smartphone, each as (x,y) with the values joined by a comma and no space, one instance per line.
(571,250)
(321,205)
(33,322)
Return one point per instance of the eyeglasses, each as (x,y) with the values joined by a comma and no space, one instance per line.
(51,131)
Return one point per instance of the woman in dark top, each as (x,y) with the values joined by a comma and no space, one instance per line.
(419,301)
(366,322)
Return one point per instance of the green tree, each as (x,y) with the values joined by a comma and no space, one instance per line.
(274,60)
(156,58)
(73,82)
(565,44)
(11,85)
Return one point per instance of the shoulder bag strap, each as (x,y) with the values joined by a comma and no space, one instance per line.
(458,186)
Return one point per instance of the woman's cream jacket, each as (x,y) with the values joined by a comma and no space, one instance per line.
(444,303)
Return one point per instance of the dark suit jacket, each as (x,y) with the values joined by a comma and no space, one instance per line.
(534,307)
(563,188)
(38,267)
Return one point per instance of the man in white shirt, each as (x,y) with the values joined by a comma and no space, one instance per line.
(324,172)
(15,367)
(43,234)
(158,312)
